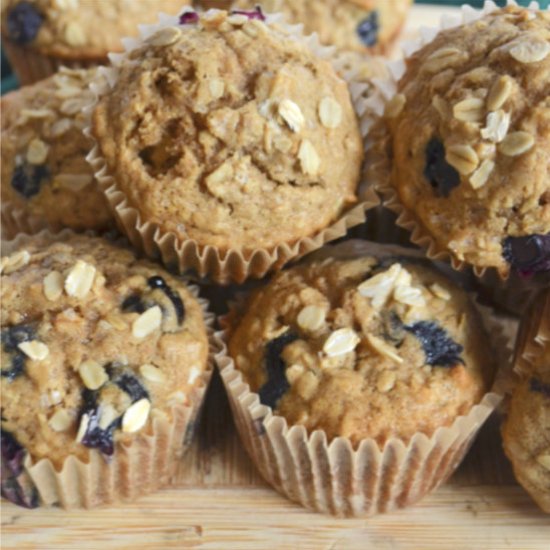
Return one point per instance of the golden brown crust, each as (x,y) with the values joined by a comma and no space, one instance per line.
(478,94)
(352,363)
(90,318)
(231,134)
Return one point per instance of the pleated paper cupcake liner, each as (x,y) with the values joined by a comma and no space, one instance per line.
(334,477)
(224,266)
(145,464)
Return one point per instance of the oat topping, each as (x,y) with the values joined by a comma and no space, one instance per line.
(147,322)
(291,114)
(38,351)
(341,341)
(80,279)
(136,416)
(516,143)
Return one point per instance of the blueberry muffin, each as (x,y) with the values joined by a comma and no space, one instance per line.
(363,348)
(347,24)
(224,131)
(104,363)
(41,35)
(526,431)
(468,142)
(45,176)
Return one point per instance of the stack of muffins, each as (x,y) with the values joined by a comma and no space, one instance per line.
(225,145)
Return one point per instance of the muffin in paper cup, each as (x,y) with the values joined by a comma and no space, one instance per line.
(47,182)
(111,400)
(334,458)
(40,36)
(526,429)
(277,177)
(472,142)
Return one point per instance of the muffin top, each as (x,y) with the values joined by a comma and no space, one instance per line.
(228,131)
(76,29)
(44,169)
(363,348)
(347,24)
(470,140)
(95,345)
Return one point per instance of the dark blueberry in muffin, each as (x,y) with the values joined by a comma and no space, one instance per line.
(24,22)
(17,487)
(540,387)
(441,175)
(11,337)
(368,29)
(189,18)
(277,384)
(133,304)
(252,14)
(529,254)
(440,349)
(27,179)
(172,295)
(394,330)
(132,386)
(96,437)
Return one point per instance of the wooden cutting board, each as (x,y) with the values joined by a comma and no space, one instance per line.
(220,501)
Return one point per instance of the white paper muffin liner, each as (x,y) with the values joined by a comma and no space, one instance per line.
(232,264)
(147,463)
(379,166)
(333,477)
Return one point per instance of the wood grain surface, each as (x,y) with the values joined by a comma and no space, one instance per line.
(220,502)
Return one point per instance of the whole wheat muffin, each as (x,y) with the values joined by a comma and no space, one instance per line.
(347,24)
(469,141)
(225,130)
(526,431)
(41,35)
(97,346)
(44,171)
(363,348)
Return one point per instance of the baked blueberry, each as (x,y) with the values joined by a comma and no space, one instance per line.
(189,18)
(132,386)
(24,22)
(16,485)
(528,254)
(440,349)
(276,384)
(251,14)
(368,29)
(540,387)
(27,179)
(11,337)
(441,175)
(173,296)
(133,304)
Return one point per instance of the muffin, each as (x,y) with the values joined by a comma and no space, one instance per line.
(104,367)
(41,35)
(46,179)
(372,354)
(226,135)
(349,24)
(526,431)
(466,143)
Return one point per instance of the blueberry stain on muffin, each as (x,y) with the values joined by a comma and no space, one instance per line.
(16,485)
(11,337)
(440,349)
(24,22)
(529,254)
(251,14)
(538,386)
(277,384)
(95,436)
(132,386)
(368,29)
(27,179)
(441,175)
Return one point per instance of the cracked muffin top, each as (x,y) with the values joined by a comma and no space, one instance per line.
(526,431)
(228,131)
(470,140)
(95,345)
(363,348)
(77,29)
(346,24)
(44,169)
